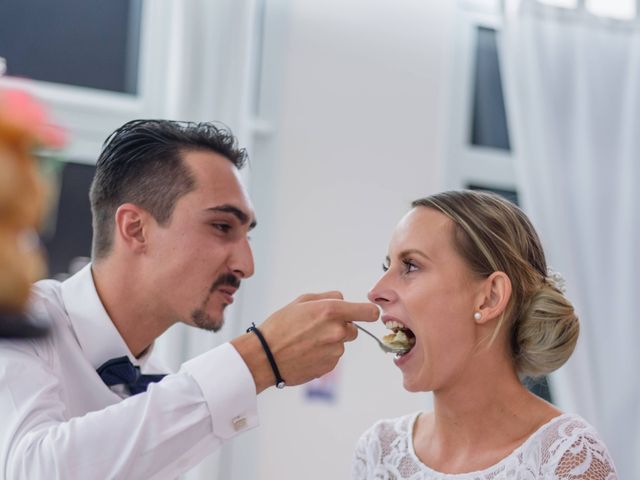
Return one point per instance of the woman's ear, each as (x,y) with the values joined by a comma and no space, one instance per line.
(131,227)
(496,292)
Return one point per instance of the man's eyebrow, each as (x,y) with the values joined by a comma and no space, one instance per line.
(236,212)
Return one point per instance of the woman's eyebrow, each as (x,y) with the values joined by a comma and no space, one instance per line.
(413,251)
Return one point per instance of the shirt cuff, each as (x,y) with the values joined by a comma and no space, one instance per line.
(228,388)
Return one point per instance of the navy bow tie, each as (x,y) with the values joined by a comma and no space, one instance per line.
(120,371)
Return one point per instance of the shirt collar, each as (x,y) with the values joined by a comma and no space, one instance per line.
(97,335)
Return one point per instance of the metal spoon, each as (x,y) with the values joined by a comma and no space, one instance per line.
(385,348)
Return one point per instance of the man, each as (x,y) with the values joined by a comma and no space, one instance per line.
(171,222)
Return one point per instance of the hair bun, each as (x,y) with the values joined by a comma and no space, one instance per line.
(546,335)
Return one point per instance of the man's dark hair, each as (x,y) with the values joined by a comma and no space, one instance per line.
(141,163)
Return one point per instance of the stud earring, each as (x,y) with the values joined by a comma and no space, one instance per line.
(477,316)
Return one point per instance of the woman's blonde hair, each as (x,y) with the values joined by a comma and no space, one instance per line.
(491,235)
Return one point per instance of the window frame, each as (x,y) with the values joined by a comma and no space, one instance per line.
(466,163)
(88,113)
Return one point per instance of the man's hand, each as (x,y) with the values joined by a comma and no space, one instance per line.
(306,338)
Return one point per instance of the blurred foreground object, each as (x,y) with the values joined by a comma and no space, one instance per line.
(23,128)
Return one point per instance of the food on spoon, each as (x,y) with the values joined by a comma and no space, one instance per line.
(401,337)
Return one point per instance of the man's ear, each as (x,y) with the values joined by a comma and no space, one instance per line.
(494,298)
(131,224)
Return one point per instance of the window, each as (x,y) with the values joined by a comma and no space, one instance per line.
(94,64)
(489,120)
(620,9)
(480,144)
(511,195)
(67,237)
(86,43)
(561,3)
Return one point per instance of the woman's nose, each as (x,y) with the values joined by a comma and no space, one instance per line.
(380,294)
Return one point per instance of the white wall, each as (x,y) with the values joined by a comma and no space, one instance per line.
(359,134)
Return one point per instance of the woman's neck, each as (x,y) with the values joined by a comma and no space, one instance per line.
(478,420)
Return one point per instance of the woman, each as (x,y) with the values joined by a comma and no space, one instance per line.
(467,282)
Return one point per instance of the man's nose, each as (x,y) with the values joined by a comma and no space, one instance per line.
(242,259)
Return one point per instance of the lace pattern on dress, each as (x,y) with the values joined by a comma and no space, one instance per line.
(566,448)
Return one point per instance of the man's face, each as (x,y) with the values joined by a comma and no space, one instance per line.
(198,258)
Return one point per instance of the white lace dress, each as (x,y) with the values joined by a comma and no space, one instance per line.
(565,448)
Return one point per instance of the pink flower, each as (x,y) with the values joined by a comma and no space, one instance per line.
(23,118)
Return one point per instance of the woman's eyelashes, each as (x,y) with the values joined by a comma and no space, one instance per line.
(408,266)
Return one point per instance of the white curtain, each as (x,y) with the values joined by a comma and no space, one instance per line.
(572,85)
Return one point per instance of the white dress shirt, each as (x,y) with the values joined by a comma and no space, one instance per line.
(60,421)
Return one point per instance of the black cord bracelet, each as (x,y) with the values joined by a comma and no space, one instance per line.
(280,383)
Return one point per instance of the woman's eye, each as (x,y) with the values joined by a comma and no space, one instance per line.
(385,267)
(409,266)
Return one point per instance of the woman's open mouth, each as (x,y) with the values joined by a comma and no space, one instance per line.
(401,337)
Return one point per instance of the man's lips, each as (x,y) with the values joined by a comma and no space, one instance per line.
(228,292)
(227,284)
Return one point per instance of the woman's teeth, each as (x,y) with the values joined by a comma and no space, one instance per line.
(393,325)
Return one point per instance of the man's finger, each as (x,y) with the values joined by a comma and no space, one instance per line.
(352,332)
(311,297)
(355,312)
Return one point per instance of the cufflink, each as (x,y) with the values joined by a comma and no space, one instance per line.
(239,423)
